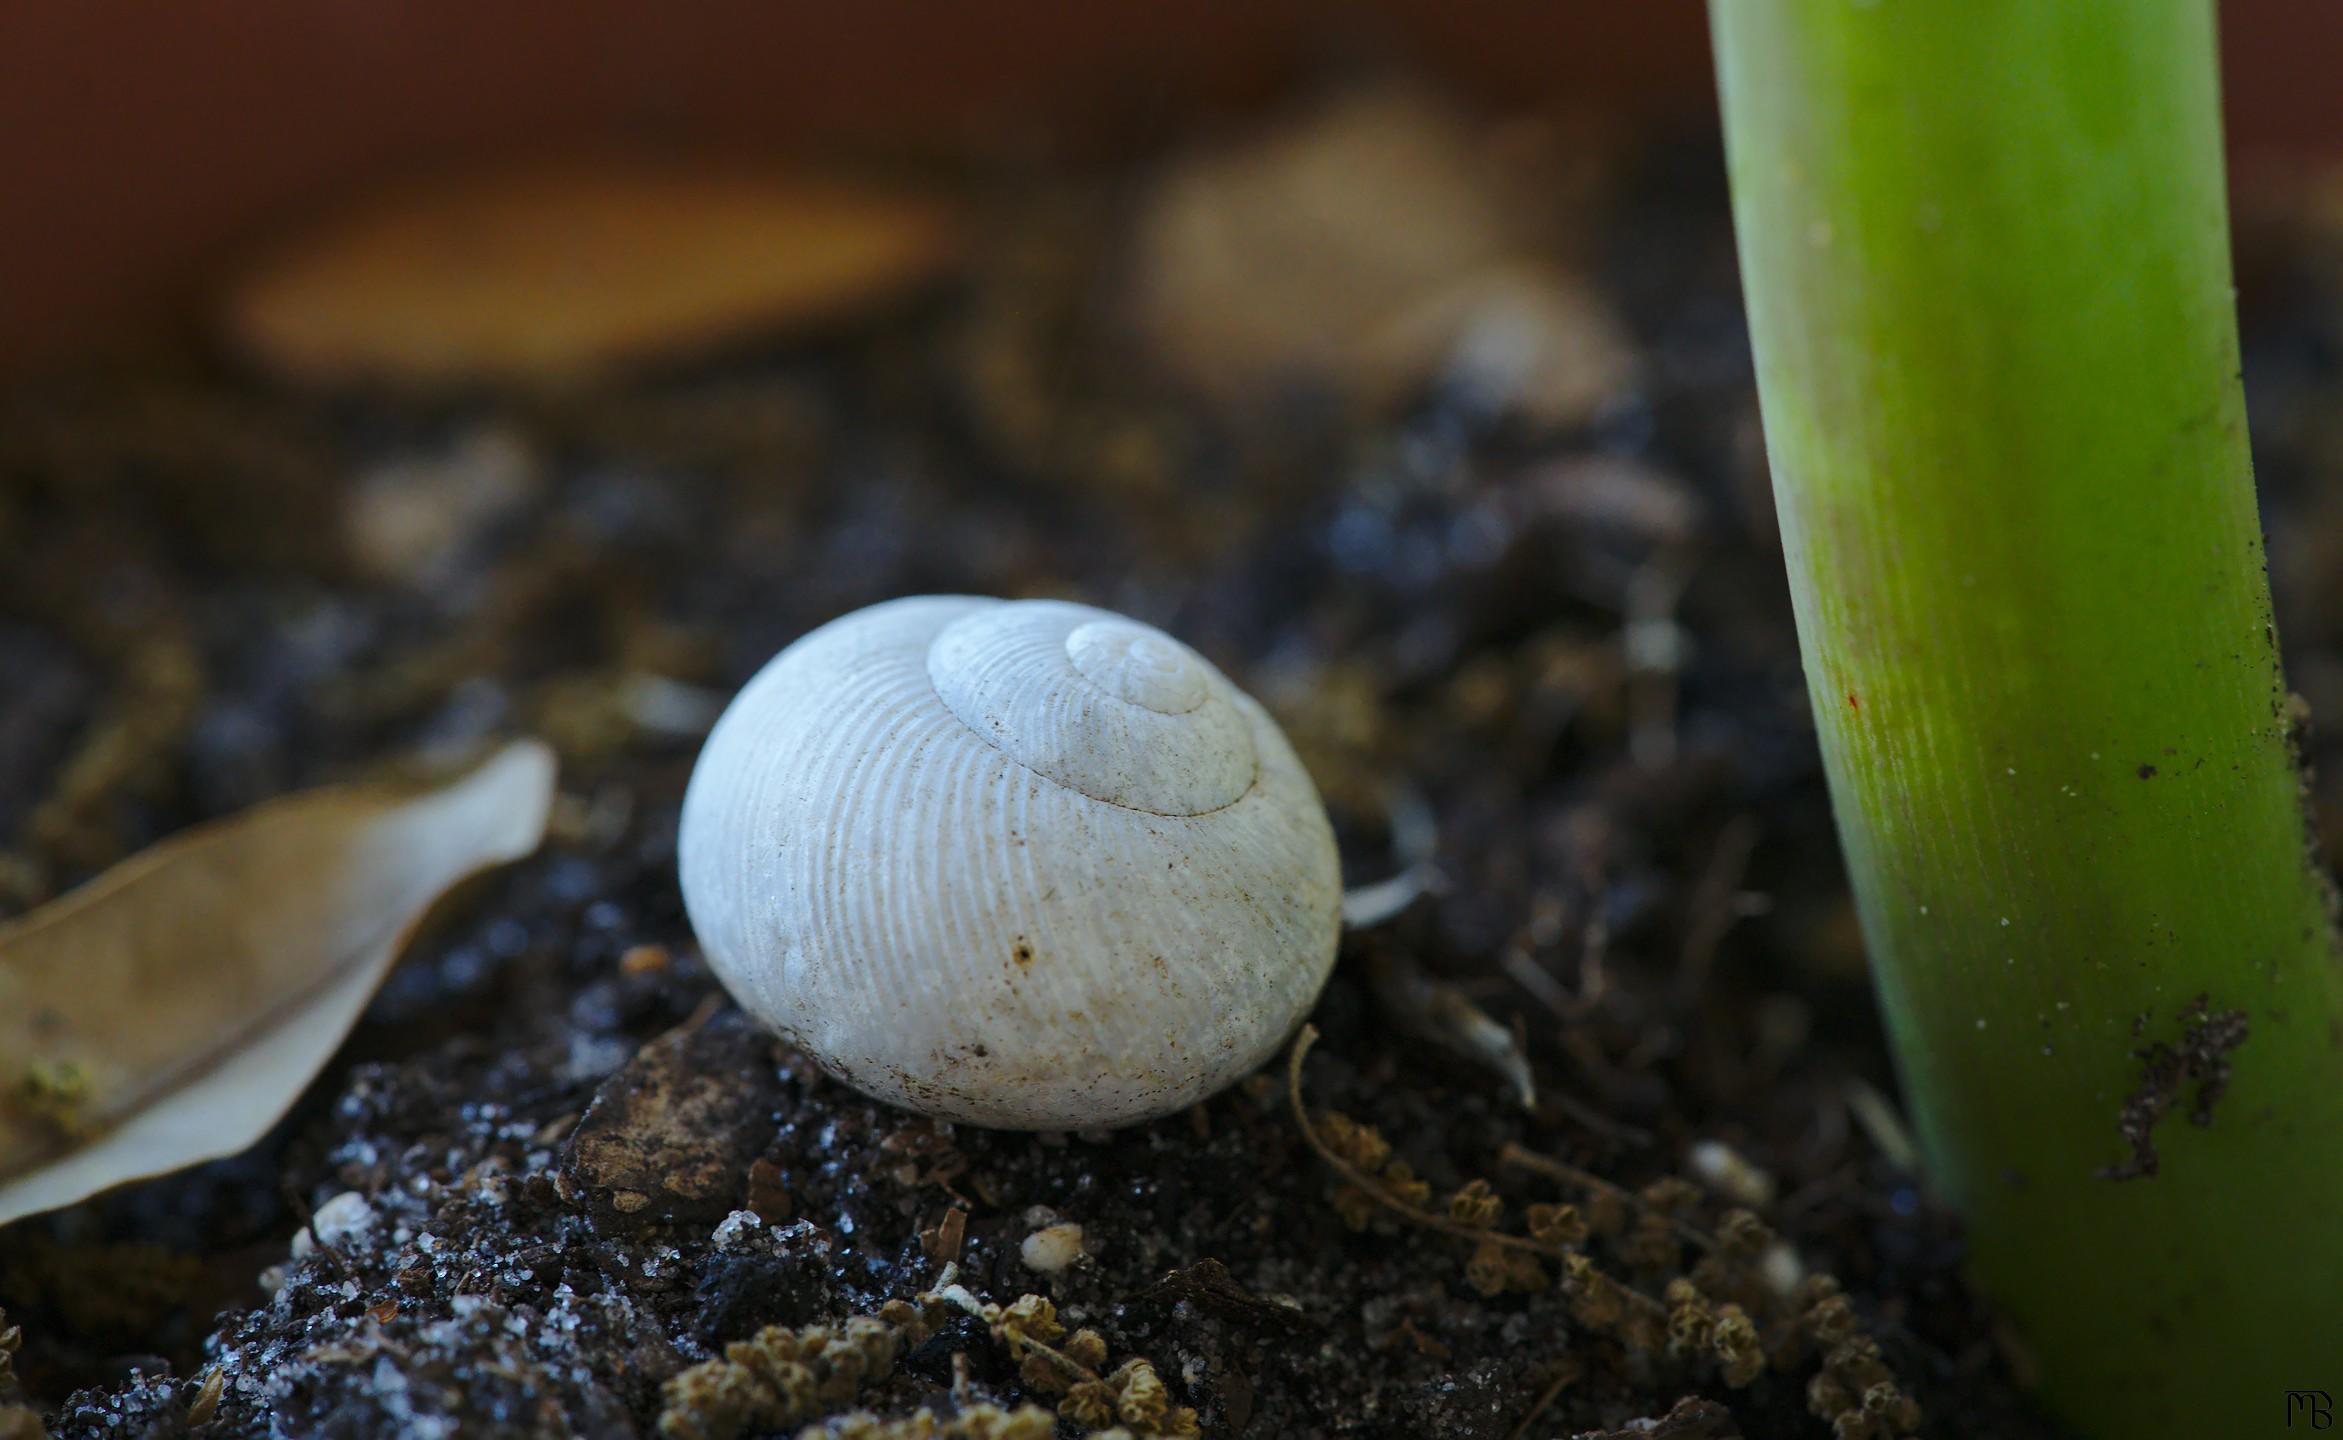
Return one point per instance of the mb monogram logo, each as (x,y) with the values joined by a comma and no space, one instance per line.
(2309,1410)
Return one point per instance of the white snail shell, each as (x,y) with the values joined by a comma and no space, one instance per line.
(1016,863)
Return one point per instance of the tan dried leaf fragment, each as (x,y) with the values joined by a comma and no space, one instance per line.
(171,1010)
(560,273)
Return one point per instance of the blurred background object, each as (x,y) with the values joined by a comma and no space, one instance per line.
(141,145)
(382,381)
(556,273)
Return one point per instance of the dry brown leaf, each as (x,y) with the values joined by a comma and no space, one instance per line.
(170,1011)
(554,275)
(1364,249)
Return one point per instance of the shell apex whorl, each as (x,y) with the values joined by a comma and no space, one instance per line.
(1100,704)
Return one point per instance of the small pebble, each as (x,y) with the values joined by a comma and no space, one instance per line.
(344,1217)
(1782,1269)
(1725,1170)
(735,1228)
(1052,1248)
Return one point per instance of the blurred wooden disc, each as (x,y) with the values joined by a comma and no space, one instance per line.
(556,275)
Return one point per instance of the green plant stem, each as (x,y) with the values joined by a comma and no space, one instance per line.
(1985,249)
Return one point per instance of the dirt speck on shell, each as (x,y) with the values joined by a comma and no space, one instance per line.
(2196,1065)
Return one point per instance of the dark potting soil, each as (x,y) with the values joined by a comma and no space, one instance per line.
(1574,648)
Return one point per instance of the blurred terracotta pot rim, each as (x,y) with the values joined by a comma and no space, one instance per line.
(142,145)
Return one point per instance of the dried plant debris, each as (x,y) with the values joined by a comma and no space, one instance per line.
(559,274)
(1365,247)
(1129,1402)
(673,1135)
(17,1421)
(2200,1060)
(1740,1309)
(169,1011)
(782,1377)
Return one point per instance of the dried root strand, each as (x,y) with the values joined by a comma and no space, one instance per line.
(1407,1203)
(1364,1147)
(1609,1205)
(1133,1394)
(1737,1313)
(1494,1269)
(1600,1303)
(1558,1225)
(1568,1373)
(1499,1261)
